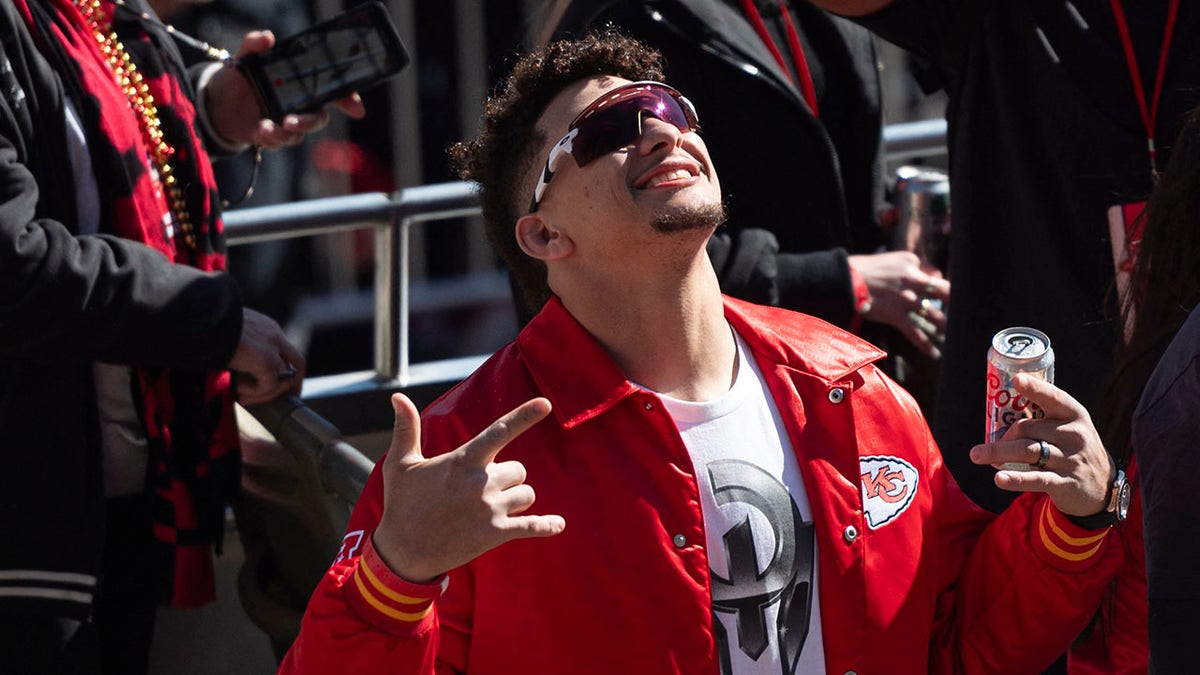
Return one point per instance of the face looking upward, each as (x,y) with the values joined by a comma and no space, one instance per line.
(645,171)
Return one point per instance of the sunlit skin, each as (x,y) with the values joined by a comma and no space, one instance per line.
(650,297)
(607,206)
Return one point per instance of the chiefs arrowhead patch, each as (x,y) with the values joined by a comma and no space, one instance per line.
(888,487)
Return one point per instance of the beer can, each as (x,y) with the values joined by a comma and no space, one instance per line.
(922,199)
(1015,350)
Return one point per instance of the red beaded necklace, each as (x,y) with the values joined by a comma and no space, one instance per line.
(141,101)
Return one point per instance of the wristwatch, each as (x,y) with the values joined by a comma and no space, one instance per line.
(1115,512)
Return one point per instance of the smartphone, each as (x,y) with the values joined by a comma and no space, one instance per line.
(350,52)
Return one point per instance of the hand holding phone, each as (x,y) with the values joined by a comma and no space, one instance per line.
(349,52)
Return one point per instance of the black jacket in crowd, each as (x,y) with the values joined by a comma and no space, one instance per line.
(65,302)
(802,192)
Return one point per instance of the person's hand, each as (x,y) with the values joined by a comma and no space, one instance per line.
(441,513)
(1078,472)
(906,296)
(265,364)
(234,111)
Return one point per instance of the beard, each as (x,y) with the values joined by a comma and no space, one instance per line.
(709,216)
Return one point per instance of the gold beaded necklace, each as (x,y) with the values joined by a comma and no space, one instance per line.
(141,101)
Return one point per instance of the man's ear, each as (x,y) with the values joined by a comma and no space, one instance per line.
(540,240)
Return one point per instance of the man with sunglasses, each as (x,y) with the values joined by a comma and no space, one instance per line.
(804,228)
(721,487)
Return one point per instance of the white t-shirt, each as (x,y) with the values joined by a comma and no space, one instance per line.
(758,525)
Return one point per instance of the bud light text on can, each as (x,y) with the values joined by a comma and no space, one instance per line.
(1015,350)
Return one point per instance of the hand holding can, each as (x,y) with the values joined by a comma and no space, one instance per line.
(1014,350)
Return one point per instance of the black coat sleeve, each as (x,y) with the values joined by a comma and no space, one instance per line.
(68,298)
(788,234)
(1165,427)
(750,266)
(100,298)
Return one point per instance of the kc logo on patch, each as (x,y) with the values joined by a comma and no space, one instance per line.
(889,485)
(350,545)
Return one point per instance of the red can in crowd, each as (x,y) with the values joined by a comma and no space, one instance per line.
(1014,350)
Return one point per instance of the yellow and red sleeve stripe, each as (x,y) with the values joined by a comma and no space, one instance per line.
(388,601)
(1063,544)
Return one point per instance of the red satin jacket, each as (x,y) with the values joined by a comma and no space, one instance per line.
(914,577)
(1118,641)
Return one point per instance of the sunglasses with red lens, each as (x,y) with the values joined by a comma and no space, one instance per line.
(614,121)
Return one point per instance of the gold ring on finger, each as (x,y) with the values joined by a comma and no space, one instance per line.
(925,305)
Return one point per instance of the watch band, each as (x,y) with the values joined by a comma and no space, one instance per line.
(1096,521)
(1113,513)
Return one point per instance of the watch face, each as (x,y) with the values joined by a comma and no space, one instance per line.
(1123,496)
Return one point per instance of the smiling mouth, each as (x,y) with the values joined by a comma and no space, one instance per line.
(667,177)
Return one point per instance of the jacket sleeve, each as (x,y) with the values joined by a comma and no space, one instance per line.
(217,146)
(364,619)
(937,32)
(97,298)
(750,266)
(1014,596)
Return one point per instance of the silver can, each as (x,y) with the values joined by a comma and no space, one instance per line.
(1015,350)
(922,199)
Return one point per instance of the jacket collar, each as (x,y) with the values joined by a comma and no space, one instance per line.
(582,381)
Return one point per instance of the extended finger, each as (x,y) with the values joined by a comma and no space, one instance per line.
(256,41)
(935,287)
(1041,453)
(484,447)
(534,526)
(273,136)
(406,431)
(1020,450)
(351,106)
(931,310)
(279,139)
(921,333)
(1057,403)
(303,123)
(1030,481)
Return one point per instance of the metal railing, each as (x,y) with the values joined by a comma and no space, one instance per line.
(298,488)
(391,217)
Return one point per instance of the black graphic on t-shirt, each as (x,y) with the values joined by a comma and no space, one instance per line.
(786,579)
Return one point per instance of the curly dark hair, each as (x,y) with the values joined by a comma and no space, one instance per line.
(503,157)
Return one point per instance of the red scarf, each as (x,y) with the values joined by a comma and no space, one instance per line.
(188,414)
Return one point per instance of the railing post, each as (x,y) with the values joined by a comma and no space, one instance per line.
(388,288)
(402,306)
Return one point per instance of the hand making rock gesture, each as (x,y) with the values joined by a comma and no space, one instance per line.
(443,512)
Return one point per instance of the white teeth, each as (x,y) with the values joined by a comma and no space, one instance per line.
(670,176)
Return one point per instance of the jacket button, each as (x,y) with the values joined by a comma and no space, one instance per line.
(679,540)
(836,395)
(851,672)
(850,534)
(649,405)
